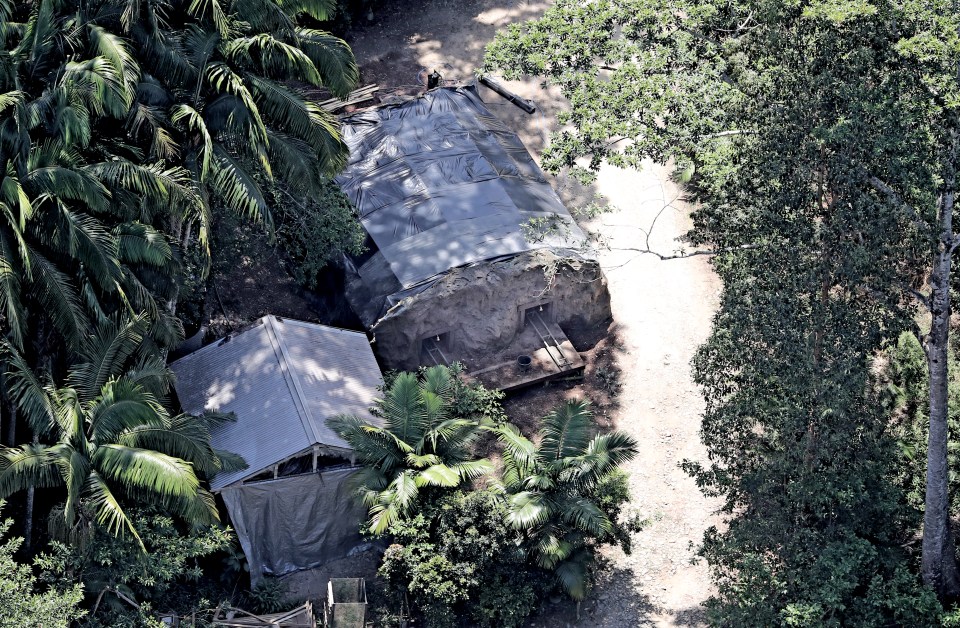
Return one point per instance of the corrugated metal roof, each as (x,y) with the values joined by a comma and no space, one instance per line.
(440,182)
(283,379)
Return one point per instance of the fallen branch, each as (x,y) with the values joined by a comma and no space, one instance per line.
(686,254)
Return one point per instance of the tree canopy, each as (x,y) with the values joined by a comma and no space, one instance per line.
(819,139)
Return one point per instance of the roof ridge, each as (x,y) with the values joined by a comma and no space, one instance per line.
(290,376)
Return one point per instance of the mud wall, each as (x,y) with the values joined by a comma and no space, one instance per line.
(480,308)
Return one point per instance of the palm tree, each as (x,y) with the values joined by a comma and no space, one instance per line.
(420,445)
(78,203)
(550,485)
(113,440)
(227,91)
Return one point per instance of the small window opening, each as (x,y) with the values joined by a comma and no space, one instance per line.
(435,349)
(539,313)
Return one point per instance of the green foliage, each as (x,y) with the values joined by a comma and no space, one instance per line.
(114,441)
(473,400)
(816,141)
(315,231)
(423,445)
(167,576)
(22,603)
(269,596)
(459,562)
(563,490)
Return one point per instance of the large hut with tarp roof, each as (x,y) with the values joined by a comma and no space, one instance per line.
(471,255)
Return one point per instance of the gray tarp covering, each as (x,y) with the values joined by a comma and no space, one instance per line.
(440,183)
(283,379)
(294,523)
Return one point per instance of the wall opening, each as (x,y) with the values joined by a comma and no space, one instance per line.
(536,312)
(436,349)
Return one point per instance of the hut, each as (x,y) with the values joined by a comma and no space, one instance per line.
(282,379)
(471,255)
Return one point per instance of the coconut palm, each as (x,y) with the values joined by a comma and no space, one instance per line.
(549,487)
(113,441)
(420,445)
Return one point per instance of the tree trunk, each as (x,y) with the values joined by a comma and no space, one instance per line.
(28,522)
(939,563)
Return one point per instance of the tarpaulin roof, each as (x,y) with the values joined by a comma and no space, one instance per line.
(283,379)
(439,183)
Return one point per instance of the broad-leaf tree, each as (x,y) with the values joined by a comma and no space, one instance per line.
(420,445)
(550,487)
(821,138)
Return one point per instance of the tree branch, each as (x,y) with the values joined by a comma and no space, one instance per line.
(686,254)
(892,194)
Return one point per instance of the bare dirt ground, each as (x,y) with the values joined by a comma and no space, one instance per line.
(662,312)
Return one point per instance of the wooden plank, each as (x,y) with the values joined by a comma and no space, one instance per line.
(356,96)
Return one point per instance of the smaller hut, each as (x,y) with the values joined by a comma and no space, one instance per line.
(283,379)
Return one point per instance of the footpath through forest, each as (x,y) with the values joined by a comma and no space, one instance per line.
(662,312)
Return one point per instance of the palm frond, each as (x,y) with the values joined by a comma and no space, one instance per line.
(527,510)
(30,395)
(266,14)
(68,184)
(190,120)
(584,515)
(573,576)
(320,10)
(75,469)
(382,516)
(604,453)
(294,162)
(150,472)
(402,410)
(152,375)
(145,117)
(187,438)
(519,453)
(374,446)
(122,406)
(405,490)
(108,46)
(98,85)
(224,80)
(93,247)
(212,10)
(53,289)
(272,57)
(26,466)
(566,430)
(472,469)
(237,189)
(332,58)
(422,461)
(138,243)
(107,510)
(438,475)
(11,303)
(105,354)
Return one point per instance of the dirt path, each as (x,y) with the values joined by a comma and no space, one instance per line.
(662,312)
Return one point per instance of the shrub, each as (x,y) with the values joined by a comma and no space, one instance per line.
(460,562)
(315,231)
(167,577)
(20,603)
